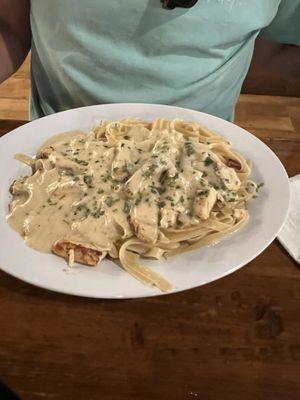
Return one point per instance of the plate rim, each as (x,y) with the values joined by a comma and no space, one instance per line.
(74,292)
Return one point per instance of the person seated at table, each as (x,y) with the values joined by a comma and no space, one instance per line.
(153,51)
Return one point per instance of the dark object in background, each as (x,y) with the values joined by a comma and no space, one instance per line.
(263,80)
(171,4)
(6,393)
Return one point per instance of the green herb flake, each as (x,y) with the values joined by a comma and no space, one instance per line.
(189,148)
(260,185)
(126,208)
(208,161)
(69,172)
(138,199)
(81,162)
(202,193)
(98,213)
(110,201)
(105,178)
(88,179)
(161,204)
(51,202)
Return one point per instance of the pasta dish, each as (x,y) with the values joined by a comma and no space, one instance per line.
(130,189)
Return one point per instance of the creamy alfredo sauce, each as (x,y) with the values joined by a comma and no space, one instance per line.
(100,191)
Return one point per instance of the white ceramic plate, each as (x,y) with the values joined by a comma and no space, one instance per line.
(267,212)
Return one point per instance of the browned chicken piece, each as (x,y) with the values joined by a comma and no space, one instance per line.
(17,187)
(234,164)
(45,152)
(82,254)
(168,216)
(144,219)
(229,177)
(203,205)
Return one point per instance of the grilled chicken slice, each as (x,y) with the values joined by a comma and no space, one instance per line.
(229,177)
(144,219)
(168,216)
(234,164)
(82,254)
(204,204)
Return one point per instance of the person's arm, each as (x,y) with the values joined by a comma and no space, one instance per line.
(15,35)
(283,59)
(278,46)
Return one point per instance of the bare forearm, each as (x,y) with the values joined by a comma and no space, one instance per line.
(15,35)
(12,52)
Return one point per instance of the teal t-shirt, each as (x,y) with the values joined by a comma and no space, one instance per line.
(99,51)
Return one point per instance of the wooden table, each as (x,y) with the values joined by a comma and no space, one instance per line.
(237,338)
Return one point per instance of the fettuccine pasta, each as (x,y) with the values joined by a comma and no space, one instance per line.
(130,189)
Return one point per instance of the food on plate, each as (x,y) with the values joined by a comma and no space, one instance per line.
(129,189)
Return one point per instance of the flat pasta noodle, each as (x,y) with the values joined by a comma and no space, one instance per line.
(133,189)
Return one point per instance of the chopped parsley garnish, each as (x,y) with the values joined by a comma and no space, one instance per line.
(81,162)
(138,199)
(126,137)
(150,171)
(69,172)
(126,208)
(260,185)
(114,184)
(100,191)
(76,178)
(189,148)
(202,193)
(127,168)
(88,179)
(82,208)
(161,204)
(110,201)
(204,174)
(105,178)
(98,213)
(208,161)
(51,202)
(153,189)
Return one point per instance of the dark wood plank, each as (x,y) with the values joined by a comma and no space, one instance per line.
(239,333)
